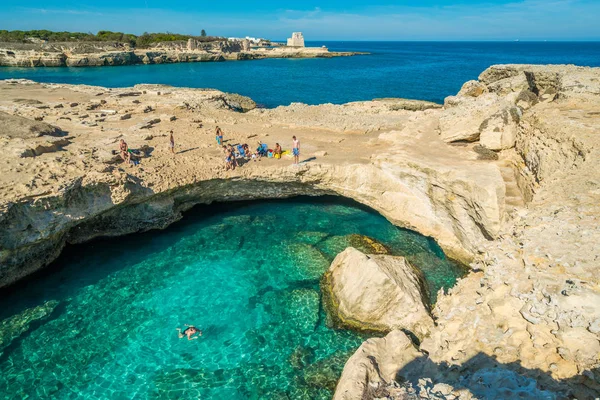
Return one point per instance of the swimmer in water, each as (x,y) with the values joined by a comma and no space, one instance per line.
(190,331)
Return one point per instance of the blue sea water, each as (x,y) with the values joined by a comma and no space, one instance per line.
(416,70)
(100,322)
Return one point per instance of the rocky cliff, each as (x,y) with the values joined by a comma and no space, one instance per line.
(504,177)
(525,324)
(111,54)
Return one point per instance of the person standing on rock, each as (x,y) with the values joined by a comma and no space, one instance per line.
(171,142)
(219,134)
(296,150)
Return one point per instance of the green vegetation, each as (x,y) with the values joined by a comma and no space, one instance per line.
(144,40)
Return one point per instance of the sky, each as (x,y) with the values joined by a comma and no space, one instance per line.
(318,20)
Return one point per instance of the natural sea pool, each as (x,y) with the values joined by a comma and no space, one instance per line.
(100,322)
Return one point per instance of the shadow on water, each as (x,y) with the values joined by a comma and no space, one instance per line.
(67,274)
(487,378)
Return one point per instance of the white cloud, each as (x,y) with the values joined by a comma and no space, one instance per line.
(60,11)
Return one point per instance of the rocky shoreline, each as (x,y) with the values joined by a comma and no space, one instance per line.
(502,177)
(110,54)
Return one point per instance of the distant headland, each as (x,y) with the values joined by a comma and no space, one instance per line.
(42,48)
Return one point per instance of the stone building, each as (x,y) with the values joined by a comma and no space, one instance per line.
(297,40)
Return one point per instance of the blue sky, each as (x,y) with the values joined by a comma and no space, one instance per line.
(332,20)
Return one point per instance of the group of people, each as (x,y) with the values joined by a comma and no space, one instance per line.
(231,155)
(243,151)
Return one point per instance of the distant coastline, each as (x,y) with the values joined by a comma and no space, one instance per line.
(64,49)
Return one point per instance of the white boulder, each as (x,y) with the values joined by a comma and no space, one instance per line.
(376,293)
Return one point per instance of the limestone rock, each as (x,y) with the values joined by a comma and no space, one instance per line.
(463,116)
(376,293)
(147,124)
(239,103)
(529,310)
(367,244)
(397,104)
(108,156)
(499,132)
(473,89)
(500,384)
(14,126)
(526,99)
(374,366)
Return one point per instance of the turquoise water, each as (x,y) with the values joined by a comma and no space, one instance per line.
(414,70)
(100,323)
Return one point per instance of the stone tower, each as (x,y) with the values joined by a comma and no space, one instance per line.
(297,40)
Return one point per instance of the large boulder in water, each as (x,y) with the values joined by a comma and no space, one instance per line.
(376,293)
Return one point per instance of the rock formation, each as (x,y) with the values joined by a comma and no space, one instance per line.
(14,126)
(393,368)
(376,293)
(524,326)
(372,370)
(525,216)
(110,54)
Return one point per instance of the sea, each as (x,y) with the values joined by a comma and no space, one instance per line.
(414,70)
(100,322)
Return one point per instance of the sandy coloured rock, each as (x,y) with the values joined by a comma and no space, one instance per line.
(86,54)
(377,293)
(370,371)
(499,132)
(527,221)
(14,126)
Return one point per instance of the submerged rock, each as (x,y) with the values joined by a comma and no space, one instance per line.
(311,238)
(303,309)
(298,307)
(368,245)
(334,245)
(301,357)
(376,293)
(310,262)
(326,372)
(14,327)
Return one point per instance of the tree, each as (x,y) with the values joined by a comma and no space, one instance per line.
(203,33)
